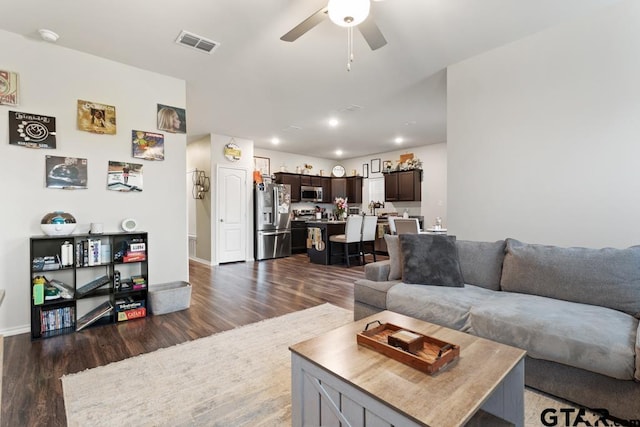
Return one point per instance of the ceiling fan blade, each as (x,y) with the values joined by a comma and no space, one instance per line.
(305,25)
(372,33)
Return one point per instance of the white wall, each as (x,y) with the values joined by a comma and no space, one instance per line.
(52,79)
(290,161)
(543,136)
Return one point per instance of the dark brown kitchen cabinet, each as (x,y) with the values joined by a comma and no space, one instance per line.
(293,180)
(326,190)
(350,187)
(338,187)
(404,186)
(354,189)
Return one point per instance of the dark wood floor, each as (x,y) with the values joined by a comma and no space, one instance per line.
(223,297)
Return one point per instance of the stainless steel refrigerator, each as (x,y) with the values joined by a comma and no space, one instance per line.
(272,219)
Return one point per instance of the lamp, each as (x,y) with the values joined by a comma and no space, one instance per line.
(348,13)
(201,184)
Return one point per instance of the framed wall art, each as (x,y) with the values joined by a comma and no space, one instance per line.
(172,119)
(32,130)
(375,165)
(8,88)
(96,118)
(147,145)
(65,172)
(262,164)
(365,170)
(124,176)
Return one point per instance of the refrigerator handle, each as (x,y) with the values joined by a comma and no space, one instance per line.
(274,206)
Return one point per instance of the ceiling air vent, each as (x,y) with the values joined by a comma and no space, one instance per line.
(194,41)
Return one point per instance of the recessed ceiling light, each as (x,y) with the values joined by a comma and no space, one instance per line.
(48,35)
(275,141)
(338,152)
(398,140)
(333,122)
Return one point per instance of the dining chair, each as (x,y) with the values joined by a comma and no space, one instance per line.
(369,231)
(352,234)
(406,225)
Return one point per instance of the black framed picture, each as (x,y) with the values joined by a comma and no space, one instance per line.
(375,165)
(365,170)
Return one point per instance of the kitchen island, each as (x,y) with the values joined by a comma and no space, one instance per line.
(318,246)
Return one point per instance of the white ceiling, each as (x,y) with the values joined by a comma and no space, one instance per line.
(256,86)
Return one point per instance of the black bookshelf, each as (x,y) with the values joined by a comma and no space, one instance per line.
(84,274)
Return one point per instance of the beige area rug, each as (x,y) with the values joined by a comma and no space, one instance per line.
(239,377)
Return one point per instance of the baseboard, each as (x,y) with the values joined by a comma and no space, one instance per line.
(24,329)
(200,260)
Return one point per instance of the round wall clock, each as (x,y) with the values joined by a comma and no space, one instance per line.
(232,152)
(338,171)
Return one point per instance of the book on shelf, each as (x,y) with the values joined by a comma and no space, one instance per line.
(94,284)
(58,318)
(94,315)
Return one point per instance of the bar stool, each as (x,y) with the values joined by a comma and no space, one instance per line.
(369,230)
(352,234)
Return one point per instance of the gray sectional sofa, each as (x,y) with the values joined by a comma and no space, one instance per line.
(574,310)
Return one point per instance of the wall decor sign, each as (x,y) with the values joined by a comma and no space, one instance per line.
(66,172)
(32,130)
(96,118)
(147,145)
(172,119)
(124,176)
(8,88)
(232,152)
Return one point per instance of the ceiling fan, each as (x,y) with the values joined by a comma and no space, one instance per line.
(346,13)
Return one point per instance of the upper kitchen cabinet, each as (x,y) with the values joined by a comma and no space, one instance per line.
(354,189)
(404,186)
(293,180)
(350,187)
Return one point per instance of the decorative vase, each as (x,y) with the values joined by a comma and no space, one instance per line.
(58,223)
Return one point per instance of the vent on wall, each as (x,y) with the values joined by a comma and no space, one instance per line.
(194,41)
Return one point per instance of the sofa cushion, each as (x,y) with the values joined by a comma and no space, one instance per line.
(436,304)
(395,257)
(584,336)
(606,277)
(481,262)
(371,292)
(430,260)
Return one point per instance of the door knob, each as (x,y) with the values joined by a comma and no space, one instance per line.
(221,220)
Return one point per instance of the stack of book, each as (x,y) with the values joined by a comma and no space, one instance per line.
(136,252)
(128,308)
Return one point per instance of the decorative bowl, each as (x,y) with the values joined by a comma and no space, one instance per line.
(58,223)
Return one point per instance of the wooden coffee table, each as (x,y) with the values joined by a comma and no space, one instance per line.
(335,380)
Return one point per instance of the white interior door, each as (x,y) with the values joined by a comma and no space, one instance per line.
(232,214)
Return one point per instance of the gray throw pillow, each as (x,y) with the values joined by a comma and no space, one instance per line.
(395,257)
(429,259)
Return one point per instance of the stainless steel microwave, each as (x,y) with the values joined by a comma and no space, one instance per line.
(311,194)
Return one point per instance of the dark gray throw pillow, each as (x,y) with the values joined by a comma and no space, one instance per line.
(429,259)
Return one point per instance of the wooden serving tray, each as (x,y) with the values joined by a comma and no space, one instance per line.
(432,357)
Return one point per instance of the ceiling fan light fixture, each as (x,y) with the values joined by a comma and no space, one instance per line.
(348,13)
